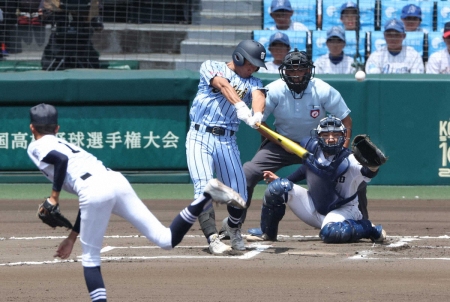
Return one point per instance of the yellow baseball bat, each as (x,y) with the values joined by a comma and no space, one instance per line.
(283,141)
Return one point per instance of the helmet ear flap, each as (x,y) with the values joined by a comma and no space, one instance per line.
(238,58)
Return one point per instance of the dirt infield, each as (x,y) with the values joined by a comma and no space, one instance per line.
(413,265)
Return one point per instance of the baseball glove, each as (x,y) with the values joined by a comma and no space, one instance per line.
(366,152)
(51,215)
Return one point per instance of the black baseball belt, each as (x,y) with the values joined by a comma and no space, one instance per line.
(215,130)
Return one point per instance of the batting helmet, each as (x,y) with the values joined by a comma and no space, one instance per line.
(250,50)
(331,124)
(296,60)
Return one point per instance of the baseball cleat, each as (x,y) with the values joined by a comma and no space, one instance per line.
(217,247)
(237,242)
(222,194)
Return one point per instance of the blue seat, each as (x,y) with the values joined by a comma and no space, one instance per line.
(331,14)
(443,14)
(319,47)
(413,39)
(393,9)
(435,42)
(305,11)
(296,38)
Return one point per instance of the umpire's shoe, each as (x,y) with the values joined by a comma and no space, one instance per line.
(220,193)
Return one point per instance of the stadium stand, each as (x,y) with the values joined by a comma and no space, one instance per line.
(393,9)
(181,37)
(302,13)
(435,42)
(319,46)
(331,13)
(298,39)
(442,14)
(413,39)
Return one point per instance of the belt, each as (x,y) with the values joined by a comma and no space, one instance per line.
(85,176)
(214,130)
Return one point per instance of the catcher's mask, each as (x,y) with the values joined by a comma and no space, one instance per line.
(331,124)
(252,51)
(292,63)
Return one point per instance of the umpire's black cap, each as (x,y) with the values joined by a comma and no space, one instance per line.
(43,114)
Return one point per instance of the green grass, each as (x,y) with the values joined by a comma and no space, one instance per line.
(186,191)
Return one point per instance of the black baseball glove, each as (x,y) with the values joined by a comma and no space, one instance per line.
(50,215)
(366,152)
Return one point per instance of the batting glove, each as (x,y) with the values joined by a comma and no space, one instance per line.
(243,112)
(256,120)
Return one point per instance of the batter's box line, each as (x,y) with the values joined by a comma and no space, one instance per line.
(402,241)
(257,249)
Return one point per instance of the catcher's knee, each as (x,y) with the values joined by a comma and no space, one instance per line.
(337,232)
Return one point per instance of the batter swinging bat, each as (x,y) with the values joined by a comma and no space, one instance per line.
(283,141)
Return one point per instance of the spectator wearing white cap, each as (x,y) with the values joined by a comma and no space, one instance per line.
(279,47)
(394,57)
(335,61)
(439,62)
(412,17)
(281,11)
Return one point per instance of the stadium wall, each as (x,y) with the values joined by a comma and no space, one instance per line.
(136,121)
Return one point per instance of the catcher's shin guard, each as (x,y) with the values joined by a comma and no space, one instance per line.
(348,231)
(274,206)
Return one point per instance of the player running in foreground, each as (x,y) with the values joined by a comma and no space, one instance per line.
(102,192)
(333,175)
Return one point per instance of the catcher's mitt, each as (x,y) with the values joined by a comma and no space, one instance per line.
(50,215)
(366,152)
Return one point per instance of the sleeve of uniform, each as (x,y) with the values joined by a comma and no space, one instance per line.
(332,101)
(298,174)
(210,69)
(59,161)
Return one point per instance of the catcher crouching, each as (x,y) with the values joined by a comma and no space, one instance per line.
(333,174)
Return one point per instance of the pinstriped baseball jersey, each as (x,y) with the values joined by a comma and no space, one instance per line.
(210,107)
(209,154)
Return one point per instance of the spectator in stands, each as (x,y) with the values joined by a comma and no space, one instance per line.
(335,61)
(439,62)
(412,17)
(279,47)
(281,11)
(394,57)
(349,15)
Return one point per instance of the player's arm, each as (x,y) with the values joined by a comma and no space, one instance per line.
(65,247)
(347,121)
(226,89)
(59,162)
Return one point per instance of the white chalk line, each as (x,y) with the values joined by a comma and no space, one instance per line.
(257,249)
(402,241)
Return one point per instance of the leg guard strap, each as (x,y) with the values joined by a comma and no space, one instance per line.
(347,231)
